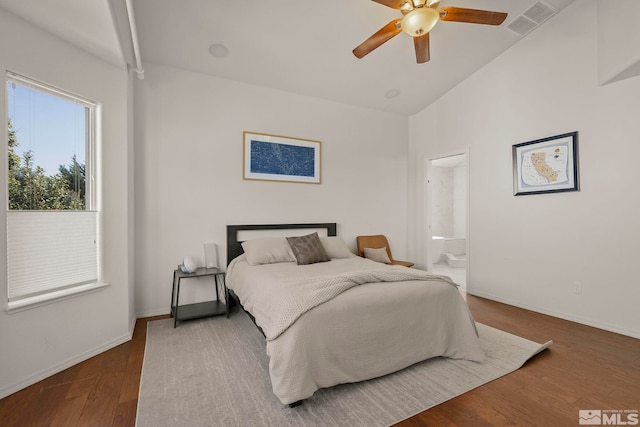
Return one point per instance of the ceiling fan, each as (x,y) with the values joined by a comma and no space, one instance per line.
(420,16)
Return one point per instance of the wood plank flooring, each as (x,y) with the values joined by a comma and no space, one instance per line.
(586,368)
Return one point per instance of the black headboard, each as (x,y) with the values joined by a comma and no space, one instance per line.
(234,247)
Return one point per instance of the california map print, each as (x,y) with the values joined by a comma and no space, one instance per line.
(545,166)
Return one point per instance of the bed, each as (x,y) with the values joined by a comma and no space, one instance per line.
(344,320)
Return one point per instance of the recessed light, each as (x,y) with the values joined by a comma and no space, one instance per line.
(392,93)
(218,50)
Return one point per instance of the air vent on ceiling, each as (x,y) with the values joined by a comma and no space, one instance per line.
(531,18)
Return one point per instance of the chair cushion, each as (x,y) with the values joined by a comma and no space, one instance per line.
(377,254)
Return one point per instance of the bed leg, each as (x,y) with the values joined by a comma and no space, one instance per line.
(294,404)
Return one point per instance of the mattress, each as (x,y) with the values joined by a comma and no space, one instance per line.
(365,331)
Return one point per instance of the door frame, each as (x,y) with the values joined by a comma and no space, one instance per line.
(428,173)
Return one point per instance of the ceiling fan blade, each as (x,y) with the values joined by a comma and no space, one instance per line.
(421,44)
(385,33)
(474,16)
(394,4)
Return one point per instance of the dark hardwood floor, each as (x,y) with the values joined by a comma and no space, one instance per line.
(586,368)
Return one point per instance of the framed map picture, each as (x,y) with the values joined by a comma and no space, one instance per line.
(280,158)
(547,165)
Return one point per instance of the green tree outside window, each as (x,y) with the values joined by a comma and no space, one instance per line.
(31,189)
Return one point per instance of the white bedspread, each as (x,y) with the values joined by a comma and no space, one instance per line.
(363,331)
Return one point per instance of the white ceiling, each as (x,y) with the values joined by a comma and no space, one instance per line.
(87,24)
(301,46)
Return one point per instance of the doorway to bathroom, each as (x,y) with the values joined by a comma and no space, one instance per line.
(447,216)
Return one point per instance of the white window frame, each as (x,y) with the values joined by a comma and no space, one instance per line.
(17,218)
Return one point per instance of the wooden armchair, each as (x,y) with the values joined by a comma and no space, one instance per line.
(377,242)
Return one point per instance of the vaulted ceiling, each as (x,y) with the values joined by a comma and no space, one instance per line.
(300,46)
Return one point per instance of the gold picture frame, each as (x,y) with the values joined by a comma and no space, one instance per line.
(279,158)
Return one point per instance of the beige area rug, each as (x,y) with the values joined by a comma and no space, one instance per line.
(214,372)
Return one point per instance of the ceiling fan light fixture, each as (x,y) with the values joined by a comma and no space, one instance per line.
(420,21)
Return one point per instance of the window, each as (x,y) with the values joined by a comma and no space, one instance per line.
(52,217)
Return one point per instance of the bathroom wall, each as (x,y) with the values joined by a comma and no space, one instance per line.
(449,200)
(442,201)
(459,201)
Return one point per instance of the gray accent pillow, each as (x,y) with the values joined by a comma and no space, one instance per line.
(308,249)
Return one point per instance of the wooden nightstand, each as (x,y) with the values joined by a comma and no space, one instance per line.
(215,307)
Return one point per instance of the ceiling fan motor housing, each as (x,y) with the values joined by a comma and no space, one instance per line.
(420,21)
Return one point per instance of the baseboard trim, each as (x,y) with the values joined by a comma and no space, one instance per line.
(560,315)
(132,325)
(46,373)
(153,312)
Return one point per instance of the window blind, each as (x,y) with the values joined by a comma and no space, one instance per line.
(50,250)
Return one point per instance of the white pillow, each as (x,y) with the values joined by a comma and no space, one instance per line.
(267,251)
(335,247)
(377,255)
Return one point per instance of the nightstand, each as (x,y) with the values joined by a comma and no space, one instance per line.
(215,307)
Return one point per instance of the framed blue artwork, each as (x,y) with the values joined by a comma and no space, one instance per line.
(280,158)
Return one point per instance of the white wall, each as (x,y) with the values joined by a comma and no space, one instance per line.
(618,40)
(530,250)
(189,184)
(38,342)
(460,201)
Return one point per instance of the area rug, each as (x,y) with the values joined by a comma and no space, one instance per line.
(215,372)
